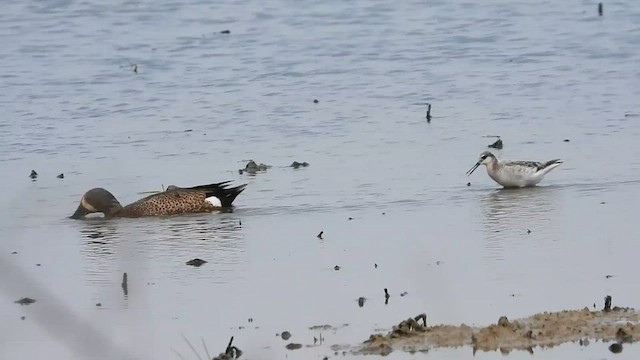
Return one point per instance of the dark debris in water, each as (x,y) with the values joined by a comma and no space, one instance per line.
(497,144)
(252,168)
(25,301)
(285,335)
(293,346)
(296,164)
(320,234)
(225,32)
(33,174)
(60,176)
(336,268)
(196,262)
(361,301)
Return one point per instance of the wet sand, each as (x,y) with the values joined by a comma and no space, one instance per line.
(545,329)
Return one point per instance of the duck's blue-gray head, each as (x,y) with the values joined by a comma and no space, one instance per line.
(486,157)
(97,200)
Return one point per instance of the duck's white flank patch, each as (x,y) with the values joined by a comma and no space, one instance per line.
(214,201)
(86,205)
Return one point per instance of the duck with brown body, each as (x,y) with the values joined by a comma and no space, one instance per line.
(175,200)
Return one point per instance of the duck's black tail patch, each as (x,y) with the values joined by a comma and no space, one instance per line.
(221,190)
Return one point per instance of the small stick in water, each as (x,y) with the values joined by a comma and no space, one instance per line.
(428,112)
(600,9)
(320,235)
(125,287)
(607,303)
(386,296)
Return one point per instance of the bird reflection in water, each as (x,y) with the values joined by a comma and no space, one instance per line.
(136,246)
(508,214)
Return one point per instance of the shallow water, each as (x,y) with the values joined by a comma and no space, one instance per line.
(202,103)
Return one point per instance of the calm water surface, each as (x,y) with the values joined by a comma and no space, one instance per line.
(202,103)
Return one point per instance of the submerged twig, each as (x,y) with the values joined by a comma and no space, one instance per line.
(191,346)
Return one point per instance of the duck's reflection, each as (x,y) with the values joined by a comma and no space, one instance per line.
(160,247)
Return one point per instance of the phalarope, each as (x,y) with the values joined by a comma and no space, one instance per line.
(514,174)
(175,200)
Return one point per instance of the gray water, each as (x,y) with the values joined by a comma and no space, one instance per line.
(202,103)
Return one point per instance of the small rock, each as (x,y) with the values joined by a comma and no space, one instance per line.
(285,335)
(196,262)
(25,301)
(615,348)
(33,174)
(293,346)
(315,101)
(503,321)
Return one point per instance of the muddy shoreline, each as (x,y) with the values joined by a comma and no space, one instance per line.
(547,329)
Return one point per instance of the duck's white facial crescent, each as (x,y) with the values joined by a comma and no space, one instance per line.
(86,205)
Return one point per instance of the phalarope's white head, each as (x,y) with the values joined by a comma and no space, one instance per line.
(512,174)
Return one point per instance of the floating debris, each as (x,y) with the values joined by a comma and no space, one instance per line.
(469,184)
(375,266)
(196,262)
(296,164)
(404,293)
(25,301)
(315,101)
(350,218)
(293,346)
(33,174)
(98,304)
(285,335)
(252,168)
(600,13)
(428,112)
(60,176)
(386,296)
(528,231)
(497,144)
(22,317)
(135,68)
(361,301)
(225,32)
(608,276)
(566,140)
(336,268)
(320,234)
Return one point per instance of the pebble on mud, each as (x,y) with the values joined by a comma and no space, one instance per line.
(285,335)
(196,262)
(25,301)
(293,346)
